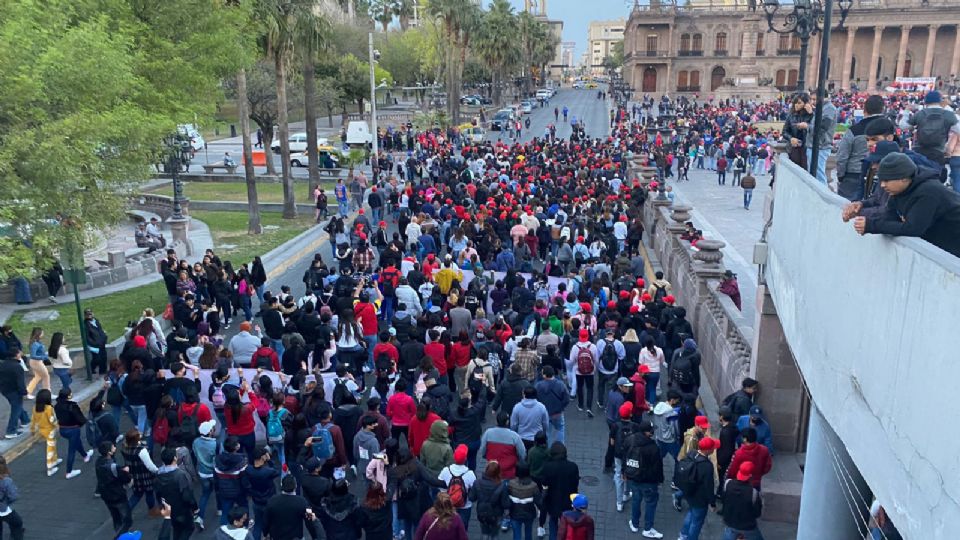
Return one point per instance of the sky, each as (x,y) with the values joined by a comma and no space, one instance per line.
(577,14)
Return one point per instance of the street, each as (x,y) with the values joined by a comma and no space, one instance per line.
(583,106)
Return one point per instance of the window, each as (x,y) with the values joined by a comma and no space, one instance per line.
(760,44)
(697,43)
(794,42)
(792,78)
(695,81)
(781,79)
(652,43)
(684,42)
(783,42)
(682,80)
(721,42)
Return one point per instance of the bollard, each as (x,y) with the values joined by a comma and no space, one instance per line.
(233,130)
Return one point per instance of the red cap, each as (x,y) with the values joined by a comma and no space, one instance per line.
(139,342)
(460,454)
(646,298)
(624,294)
(585,307)
(611,305)
(623,218)
(669,299)
(579,239)
(746,471)
(626,410)
(702,422)
(643,369)
(383,223)
(362,236)
(373,189)
(707,444)
(584,335)
(634,309)
(640,282)
(360,211)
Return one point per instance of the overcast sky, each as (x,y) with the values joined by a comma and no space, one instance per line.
(577,14)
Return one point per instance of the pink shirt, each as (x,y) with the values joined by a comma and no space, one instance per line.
(401,409)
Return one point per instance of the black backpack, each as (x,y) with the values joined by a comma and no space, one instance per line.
(384,365)
(932,130)
(408,487)
(261,361)
(386,278)
(340,391)
(681,372)
(189,428)
(629,365)
(633,458)
(686,475)
(659,293)
(608,360)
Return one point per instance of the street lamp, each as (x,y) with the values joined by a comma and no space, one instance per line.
(808,18)
(178,152)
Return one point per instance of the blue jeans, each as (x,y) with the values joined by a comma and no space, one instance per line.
(747,197)
(524,527)
(277,345)
(247,306)
(372,341)
(955,173)
(653,380)
(276,448)
(117,412)
(18,415)
(643,492)
(396,521)
(259,511)
(558,429)
(64,375)
(729,533)
(140,412)
(74,444)
(206,489)
(376,214)
(343,207)
(135,499)
(227,504)
(823,154)
(693,523)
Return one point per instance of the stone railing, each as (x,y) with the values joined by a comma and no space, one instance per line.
(722,333)
(162,205)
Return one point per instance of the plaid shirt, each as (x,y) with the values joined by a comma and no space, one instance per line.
(363,260)
(529,361)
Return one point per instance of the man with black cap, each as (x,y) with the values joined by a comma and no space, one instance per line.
(643,470)
(917,206)
(932,126)
(853,150)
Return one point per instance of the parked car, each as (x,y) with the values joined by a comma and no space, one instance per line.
(544,93)
(526,106)
(329,158)
(500,120)
(474,134)
(298,143)
(470,100)
(196,140)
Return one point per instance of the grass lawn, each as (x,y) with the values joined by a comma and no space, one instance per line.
(115,310)
(267,192)
(230,228)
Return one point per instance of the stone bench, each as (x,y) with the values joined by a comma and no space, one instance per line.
(143,216)
(210,167)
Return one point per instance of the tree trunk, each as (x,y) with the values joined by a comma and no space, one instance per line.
(289,196)
(253,203)
(310,112)
(267,151)
(329,114)
(496,87)
(384,25)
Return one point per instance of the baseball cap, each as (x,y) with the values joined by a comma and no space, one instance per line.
(745,471)
(707,444)
(702,422)
(579,501)
(623,381)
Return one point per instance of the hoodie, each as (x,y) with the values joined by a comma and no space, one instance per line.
(925,209)
(338,514)
(436,453)
(365,444)
(228,532)
(575,525)
(665,422)
(756,453)
(505,446)
(205,450)
(528,417)
(228,477)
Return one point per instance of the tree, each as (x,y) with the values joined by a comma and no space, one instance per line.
(253,202)
(310,34)
(458,20)
(405,13)
(496,43)
(90,90)
(382,11)
(537,46)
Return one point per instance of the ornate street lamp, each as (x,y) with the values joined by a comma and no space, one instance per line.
(806,19)
(178,148)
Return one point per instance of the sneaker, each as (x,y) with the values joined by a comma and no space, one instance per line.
(589,413)
(12,435)
(53,300)
(652,533)
(53,471)
(676,504)
(59,461)
(86,458)
(541,532)
(579,408)
(633,528)
(198,523)
(627,497)
(29,397)
(674,487)
(619,506)
(74,473)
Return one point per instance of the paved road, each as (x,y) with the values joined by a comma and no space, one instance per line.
(583,106)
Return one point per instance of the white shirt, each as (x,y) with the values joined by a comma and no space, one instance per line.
(462,471)
(620,230)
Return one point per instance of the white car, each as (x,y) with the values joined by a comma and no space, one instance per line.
(298,143)
(196,140)
(526,107)
(544,93)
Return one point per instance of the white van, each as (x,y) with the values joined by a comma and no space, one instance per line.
(358,133)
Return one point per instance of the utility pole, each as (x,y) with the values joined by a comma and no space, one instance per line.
(373,109)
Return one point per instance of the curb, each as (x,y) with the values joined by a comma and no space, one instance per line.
(23,444)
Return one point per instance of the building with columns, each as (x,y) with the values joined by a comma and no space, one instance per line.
(699,48)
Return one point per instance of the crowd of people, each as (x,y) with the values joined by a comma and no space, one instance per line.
(421,384)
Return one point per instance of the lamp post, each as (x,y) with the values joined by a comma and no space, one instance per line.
(808,18)
(374,141)
(175,145)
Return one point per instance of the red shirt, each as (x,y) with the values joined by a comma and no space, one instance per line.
(419,430)
(459,355)
(244,425)
(388,349)
(366,315)
(438,353)
(401,409)
(186,409)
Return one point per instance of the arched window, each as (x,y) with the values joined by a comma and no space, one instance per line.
(721,42)
(716,77)
(682,81)
(697,43)
(684,43)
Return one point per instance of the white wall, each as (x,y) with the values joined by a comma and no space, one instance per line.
(874,324)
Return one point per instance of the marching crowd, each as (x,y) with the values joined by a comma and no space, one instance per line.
(418,383)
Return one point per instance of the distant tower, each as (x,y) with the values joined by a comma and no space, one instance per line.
(536,7)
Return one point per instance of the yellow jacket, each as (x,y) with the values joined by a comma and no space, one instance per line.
(45,422)
(445,277)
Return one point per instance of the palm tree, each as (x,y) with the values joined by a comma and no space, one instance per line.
(405,12)
(496,42)
(285,21)
(458,20)
(383,11)
(253,203)
(311,33)
(537,44)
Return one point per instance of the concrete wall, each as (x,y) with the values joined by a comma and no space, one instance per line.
(872,322)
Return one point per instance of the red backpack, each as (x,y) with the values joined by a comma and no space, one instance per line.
(457,490)
(161,429)
(584,360)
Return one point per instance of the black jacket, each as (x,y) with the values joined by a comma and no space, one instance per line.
(69,414)
(468,426)
(728,443)
(174,487)
(340,517)
(742,505)
(650,462)
(739,403)
(704,494)
(510,393)
(307,326)
(286,518)
(561,479)
(111,480)
(96,337)
(315,489)
(377,524)
(12,380)
(926,209)
(273,323)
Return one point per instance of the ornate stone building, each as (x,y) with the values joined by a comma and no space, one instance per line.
(699,47)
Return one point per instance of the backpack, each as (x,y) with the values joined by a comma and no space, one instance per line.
(629,365)
(218,398)
(575,533)
(408,487)
(322,443)
(659,293)
(92,431)
(493,358)
(275,425)
(686,475)
(383,365)
(115,395)
(340,392)
(189,428)
(932,131)
(386,278)
(633,459)
(457,490)
(161,430)
(261,361)
(584,360)
(609,357)
(681,372)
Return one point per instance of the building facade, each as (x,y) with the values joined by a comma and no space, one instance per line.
(601,36)
(698,48)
